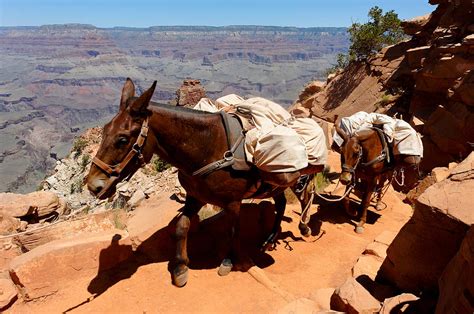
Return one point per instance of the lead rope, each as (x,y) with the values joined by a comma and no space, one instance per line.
(335,199)
(402,173)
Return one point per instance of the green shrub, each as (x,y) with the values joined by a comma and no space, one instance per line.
(85,161)
(159,164)
(381,30)
(79,145)
(76,186)
(367,39)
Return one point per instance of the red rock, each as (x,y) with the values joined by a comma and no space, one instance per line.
(456,284)
(8,293)
(446,131)
(322,298)
(47,269)
(39,203)
(8,224)
(376,249)
(367,265)
(386,237)
(397,304)
(414,25)
(440,173)
(190,92)
(352,297)
(429,240)
(301,305)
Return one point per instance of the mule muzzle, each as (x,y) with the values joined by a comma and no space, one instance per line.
(346,177)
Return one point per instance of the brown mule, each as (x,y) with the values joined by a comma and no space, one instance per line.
(189,140)
(363,158)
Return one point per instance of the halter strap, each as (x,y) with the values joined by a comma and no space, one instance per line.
(113,172)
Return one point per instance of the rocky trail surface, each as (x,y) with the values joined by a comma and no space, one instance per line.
(300,274)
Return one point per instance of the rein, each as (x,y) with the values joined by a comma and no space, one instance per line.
(113,172)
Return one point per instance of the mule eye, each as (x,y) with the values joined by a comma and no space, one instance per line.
(122,141)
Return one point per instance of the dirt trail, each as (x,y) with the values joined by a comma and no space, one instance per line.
(296,268)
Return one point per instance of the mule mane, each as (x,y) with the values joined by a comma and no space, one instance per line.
(177,109)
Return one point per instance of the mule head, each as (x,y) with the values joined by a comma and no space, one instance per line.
(351,152)
(125,145)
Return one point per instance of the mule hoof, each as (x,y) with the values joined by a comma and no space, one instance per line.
(379,207)
(359,229)
(305,231)
(180,278)
(225,267)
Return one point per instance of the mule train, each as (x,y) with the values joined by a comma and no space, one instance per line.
(206,148)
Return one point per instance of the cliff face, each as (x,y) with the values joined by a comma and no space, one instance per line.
(428,80)
(57,80)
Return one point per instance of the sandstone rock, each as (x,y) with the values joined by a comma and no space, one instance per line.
(440,173)
(39,203)
(456,284)
(190,92)
(301,305)
(49,268)
(386,237)
(136,198)
(424,246)
(322,298)
(398,304)
(8,293)
(352,297)
(367,265)
(8,224)
(414,25)
(446,131)
(311,89)
(376,249)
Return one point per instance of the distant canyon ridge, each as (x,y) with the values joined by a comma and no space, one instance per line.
(57,80)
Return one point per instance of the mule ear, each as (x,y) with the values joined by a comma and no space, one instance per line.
(141,103)
(128,91)
(339,131)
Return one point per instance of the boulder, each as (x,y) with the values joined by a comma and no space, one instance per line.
(456,285)
(367,265)
(39,203)
(301,305)
(429,240)
(446,131)
(376,249)
(352,297)
(8,293)
(414,25)
(8,224)
(189,93)
(322,298)
(398,304)
(386,237)
(49,268)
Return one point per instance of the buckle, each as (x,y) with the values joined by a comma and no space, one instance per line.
(228,155)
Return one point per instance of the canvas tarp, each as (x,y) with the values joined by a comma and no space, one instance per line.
(275,141)
(402,136)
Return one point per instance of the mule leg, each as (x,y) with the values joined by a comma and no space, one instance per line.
(346,202)
(280,205)
(365,204)
(379,190)
(180,271)
(305,198)
(238,255)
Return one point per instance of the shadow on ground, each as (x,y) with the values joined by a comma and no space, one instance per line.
(205,249)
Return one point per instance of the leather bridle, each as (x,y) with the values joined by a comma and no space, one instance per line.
(380,158)
(113,172)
